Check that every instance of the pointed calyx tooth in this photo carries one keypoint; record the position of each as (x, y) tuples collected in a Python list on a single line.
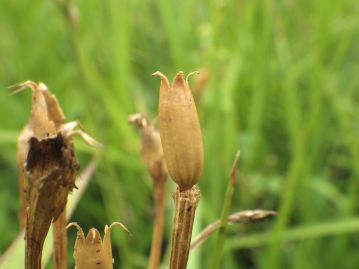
[(180, 131), (92, 252)]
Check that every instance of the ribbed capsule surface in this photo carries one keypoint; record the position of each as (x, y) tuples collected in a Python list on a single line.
[(180, 131)]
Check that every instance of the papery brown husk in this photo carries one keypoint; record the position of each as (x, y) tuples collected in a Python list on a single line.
[(49, 169), (180, 131)]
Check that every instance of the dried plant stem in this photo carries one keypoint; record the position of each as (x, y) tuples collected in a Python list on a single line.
[(34, 243), (157, 233), (186, 203), (22, 145), (60, 242), (22, 202)]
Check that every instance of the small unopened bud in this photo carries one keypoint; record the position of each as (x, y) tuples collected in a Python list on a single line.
[(180, 131)]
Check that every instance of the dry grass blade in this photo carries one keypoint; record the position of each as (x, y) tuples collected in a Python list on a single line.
[(238, 217)]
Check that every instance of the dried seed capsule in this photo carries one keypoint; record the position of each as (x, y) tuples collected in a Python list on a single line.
[(180, 131), (47, 165), (90, 251), (151, 150)]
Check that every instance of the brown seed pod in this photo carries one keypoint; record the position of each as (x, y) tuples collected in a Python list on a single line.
[(49, 166), (152, 156), (180, 131), (151, 148), (91, 252)]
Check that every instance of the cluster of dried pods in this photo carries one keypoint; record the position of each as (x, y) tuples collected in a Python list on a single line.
[(48, 167), (47, 172)]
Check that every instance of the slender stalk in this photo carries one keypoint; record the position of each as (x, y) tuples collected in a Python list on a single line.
[(186, 203), (22, 202), (157, 233), (21, 154), (60, 242), (36, 231)]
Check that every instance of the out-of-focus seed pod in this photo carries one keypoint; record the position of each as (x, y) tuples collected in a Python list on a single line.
[(180, 131), (152, 156), (91, 252), (151, 147)]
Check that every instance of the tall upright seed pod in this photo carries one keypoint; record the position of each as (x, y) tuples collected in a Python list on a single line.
[(183, 150)]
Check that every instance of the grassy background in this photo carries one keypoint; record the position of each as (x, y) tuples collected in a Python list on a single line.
[(284, 89)]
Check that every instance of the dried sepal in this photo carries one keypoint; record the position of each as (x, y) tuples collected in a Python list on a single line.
[(91, 252), (200, 83), (50, 167), (180, 131)]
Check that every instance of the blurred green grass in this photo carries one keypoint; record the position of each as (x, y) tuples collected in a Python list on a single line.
[(284, 89)]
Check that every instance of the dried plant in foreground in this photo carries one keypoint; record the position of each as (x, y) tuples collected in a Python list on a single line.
[(152, 155), (183, 149), (91, 252), (49, 167)]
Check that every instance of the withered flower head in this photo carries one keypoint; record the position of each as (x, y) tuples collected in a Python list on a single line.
[(151, 148), (91, 252), (180, 131), (47, 164)]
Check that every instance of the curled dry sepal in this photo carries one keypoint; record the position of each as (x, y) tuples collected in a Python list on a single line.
[(91, 252), (47, 160)]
